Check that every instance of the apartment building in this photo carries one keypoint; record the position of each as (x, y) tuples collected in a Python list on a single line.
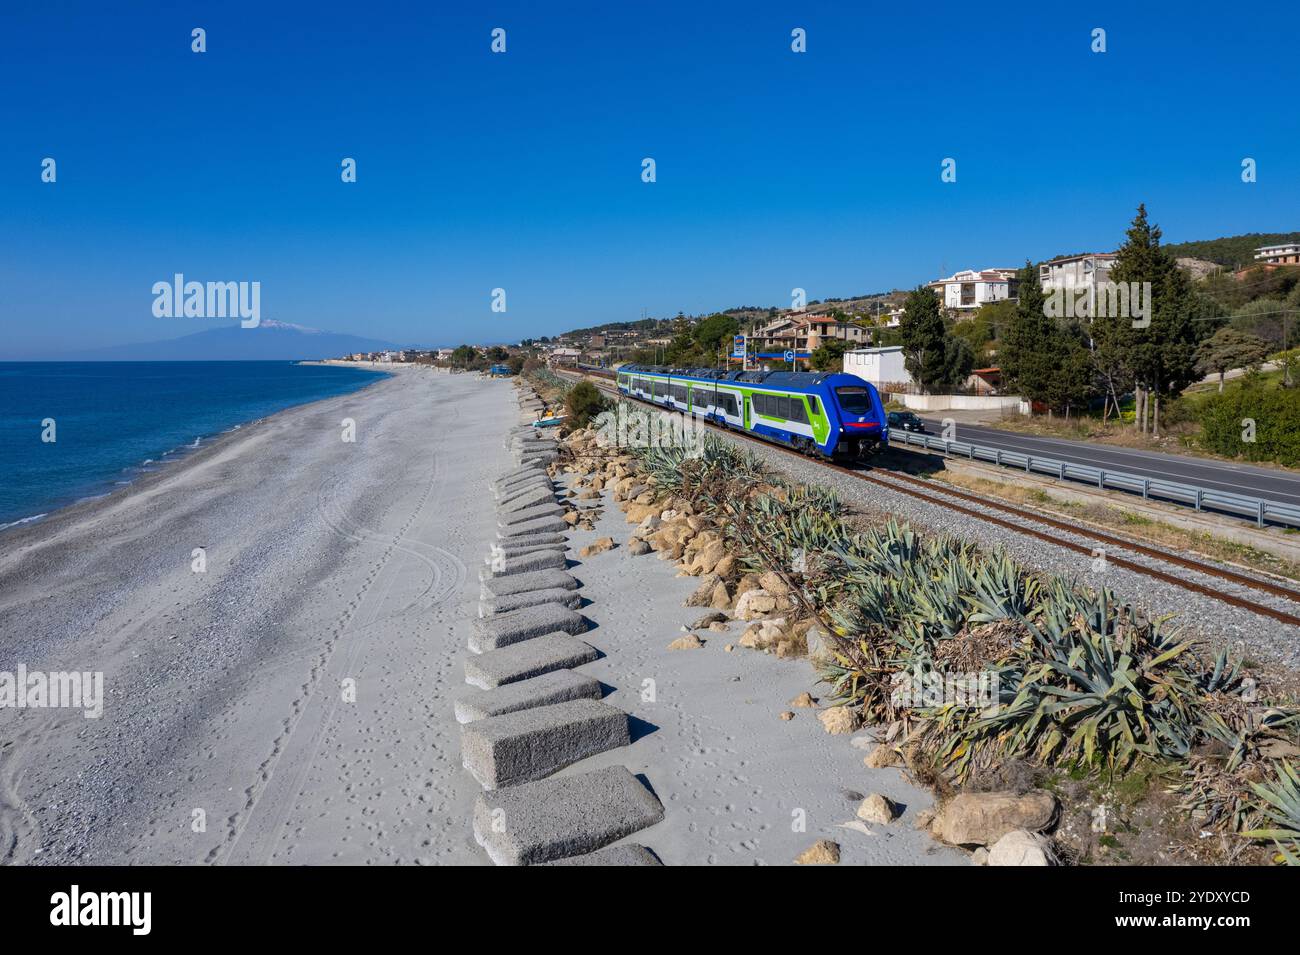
[(1273, 256), (968, 290), (804, 333)]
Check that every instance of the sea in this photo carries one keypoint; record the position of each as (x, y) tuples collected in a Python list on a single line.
[(70, 431)]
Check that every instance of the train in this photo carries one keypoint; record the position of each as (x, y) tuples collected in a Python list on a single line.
[(830, 415)]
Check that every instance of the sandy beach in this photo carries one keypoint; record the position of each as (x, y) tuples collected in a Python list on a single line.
[(292, 703), (226, 736)]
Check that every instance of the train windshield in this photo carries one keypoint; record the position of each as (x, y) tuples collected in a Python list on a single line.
[(854, 400)]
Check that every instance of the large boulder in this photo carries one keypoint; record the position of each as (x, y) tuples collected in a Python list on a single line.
[(981, 819)]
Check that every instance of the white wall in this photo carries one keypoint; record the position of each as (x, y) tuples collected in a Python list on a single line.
[(877, 365), (959, 402)]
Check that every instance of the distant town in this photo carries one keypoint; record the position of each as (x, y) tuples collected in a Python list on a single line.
[(1233, 279)]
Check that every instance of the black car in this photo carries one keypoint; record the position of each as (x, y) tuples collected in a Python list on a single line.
[(907, 421)]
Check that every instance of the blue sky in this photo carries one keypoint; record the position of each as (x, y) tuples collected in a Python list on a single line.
[(522, 170)]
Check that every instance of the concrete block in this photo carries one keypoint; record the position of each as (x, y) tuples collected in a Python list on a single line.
[(523, 486), (535, 457), (557, 686), (525, 564), (531, 540), (561, 817), (521, 583), (523, 661), (532, 598), (531, 744), (506, 518), (542, 525), (502, 629), (500, 549), (626, 853), (534, 495), (517, 474)]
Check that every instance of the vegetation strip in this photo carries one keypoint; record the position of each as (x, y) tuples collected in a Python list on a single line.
[(1202, 568), (1029, 669)]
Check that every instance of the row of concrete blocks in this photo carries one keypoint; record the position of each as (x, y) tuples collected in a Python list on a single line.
[(530, 403), (532, 714), (537, 450)]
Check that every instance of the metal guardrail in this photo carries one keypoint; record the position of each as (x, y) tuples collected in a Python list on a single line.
[(1260, 510)]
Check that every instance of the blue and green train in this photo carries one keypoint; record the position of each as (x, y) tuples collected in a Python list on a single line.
[(830, 414)]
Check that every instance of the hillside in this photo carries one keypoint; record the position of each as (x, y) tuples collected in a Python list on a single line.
[(1234, 251)]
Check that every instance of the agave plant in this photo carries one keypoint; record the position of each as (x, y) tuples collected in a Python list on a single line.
[(1109, 684), (1280, 806), (1002, 590)]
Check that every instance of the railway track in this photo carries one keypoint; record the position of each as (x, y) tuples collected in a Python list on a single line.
[(1048, 529)]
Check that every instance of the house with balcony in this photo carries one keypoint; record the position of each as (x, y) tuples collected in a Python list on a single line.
[(968, 290), (1275, 257), (804, 333), (1072, 273)]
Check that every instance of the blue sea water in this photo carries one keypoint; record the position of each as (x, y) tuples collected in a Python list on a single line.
[(114, 420)]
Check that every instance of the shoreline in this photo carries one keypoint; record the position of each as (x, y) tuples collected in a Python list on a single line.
[(165, 463), (324, 562)]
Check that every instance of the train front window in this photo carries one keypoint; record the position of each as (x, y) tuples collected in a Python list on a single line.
[(854, 401)]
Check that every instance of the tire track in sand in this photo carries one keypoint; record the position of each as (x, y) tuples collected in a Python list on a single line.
[(254, 833)]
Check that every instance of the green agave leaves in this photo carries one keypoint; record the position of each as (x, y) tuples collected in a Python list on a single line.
[(1280, 806)]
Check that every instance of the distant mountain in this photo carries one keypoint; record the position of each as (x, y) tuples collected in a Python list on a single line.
[(270, 341)]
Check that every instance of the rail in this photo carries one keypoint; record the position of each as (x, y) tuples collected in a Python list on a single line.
[(1261, 510)]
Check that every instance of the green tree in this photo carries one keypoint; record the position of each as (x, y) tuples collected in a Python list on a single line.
[(829, 355), (1161, 346), (1030, 352), (1074, 381), (582, 403), (933, 358), (1230, 348), (712, 332), (683, 350), (983, 329)]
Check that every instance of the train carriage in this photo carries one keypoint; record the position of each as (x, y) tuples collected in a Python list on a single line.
[(826, 413)]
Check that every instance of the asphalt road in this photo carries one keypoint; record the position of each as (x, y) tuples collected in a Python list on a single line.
[(1274, 484)]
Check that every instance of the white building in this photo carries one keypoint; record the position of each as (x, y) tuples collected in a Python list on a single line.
[(1287, 254), (880, 366), (1077, 272), (970, 289)]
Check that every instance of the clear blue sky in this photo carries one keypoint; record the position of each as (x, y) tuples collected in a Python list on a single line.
[(522, 170)]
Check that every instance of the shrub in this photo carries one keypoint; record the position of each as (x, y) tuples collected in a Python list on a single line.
[(581, 404), (1276, 415)]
